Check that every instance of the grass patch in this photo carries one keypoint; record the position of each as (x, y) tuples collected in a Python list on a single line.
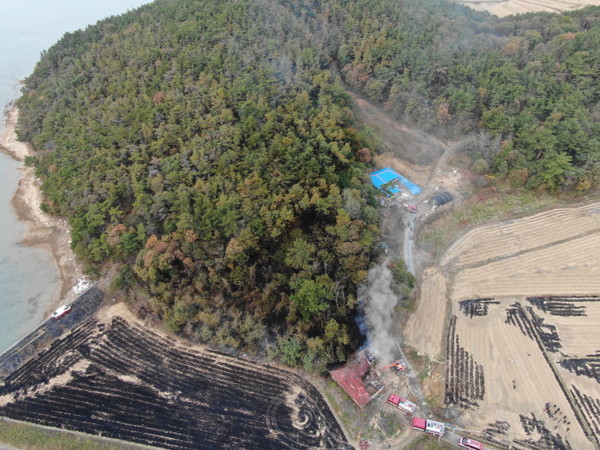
[(373, 423), (25, 436), (428, 442), (485, 207)]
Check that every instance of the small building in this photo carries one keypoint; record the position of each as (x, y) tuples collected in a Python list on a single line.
[(391, 182), (350, 378), (441, 199)]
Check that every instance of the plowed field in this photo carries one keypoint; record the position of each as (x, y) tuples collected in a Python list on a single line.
[(120, 380), (522, 348)]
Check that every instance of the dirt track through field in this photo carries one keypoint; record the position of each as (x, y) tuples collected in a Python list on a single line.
[(120, 380)]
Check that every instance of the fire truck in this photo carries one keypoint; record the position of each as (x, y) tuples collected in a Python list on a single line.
[(470, 443), (428, 426), (401, 403)]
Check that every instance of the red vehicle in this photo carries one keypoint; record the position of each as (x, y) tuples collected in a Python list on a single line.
[(428, 426), (63, 310), (470, 443), (401, 403)]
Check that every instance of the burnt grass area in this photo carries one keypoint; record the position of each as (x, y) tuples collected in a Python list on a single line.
[(545, 438), (590, 407), (497, 431), (563, 306), (515, 315), (476, 306), (465, 383), (588, 366), (83, 307), (125, 382)]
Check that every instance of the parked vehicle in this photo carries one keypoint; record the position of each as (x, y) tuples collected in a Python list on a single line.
[(63, 310), (428, 426), (470, 443), (402, 403)]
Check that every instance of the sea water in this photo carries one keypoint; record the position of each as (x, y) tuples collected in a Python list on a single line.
[(28, 277)]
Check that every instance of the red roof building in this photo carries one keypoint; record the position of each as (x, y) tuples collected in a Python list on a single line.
[(350, 377)]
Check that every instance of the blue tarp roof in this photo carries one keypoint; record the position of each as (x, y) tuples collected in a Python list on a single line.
[(386, 175)]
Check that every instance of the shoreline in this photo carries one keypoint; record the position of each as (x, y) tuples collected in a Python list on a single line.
[(41, 230)]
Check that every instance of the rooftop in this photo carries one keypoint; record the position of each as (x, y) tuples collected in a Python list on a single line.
[(350, 377), (385, 175)]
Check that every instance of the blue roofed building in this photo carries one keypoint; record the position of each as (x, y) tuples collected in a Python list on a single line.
[(383, 177)]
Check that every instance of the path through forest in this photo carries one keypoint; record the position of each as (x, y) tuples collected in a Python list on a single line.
[(419, 156)]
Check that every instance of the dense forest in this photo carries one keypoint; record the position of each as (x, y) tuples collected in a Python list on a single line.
[(207, 153)]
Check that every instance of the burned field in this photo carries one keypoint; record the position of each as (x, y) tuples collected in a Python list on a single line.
[(522, 347), (465, 382), (120, 380)]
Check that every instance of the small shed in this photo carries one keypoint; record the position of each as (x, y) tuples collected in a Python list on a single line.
[(442, 199)]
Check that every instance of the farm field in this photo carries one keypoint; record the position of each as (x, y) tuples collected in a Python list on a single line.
[(503, 8), (427, 316), (522, 346), (113, 377)]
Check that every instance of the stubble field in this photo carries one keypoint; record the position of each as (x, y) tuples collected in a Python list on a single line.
[(522, 348), (502, 8)]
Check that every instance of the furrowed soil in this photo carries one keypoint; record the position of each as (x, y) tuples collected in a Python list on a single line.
[(522, 348), (113, 377)]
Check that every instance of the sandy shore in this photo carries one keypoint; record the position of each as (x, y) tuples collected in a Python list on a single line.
[(42, 230)]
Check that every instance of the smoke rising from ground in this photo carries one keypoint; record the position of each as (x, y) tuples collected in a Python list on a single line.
[(380, 317)]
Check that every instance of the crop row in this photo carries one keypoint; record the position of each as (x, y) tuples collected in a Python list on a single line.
[(465, 383), (493, 241), (563, 306), (590, 407)]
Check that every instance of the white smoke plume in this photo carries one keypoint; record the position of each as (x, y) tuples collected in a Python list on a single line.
[(380, 317)]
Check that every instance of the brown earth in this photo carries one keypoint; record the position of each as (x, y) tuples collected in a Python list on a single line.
[(503, 8), (424, 330)]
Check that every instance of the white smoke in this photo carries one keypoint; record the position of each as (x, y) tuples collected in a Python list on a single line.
[(380, 316)]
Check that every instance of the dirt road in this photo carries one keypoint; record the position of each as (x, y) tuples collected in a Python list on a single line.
[(419, 156)]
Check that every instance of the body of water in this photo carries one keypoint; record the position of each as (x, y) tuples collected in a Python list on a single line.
[(28, 277)]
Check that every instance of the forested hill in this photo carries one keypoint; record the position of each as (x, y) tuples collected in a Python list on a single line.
[(205, 151)]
